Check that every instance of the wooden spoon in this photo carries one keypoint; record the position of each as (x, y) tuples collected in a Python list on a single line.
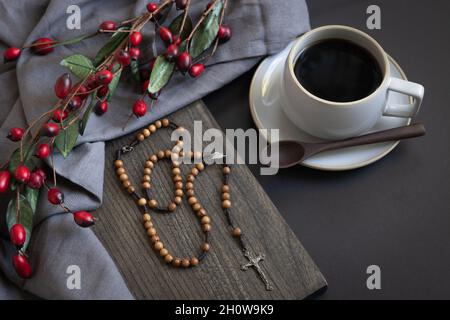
[(292, 152)]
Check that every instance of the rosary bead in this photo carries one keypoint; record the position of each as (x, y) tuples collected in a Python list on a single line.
[(179, 192), (148, 225), (168, 258), (205, 220), (146, 185), (192, 201), (206, 227), (167, 153), (123, 177), (225, 196), (158, 245), (126, 184), (206, 247), (152, 232), (146, 217), (142, 202), (120, 171), (194, 262), (158, 124), (226, 170), (146, 178), (175, 164), (200, 166), (163, 252), (165, 122), (147, 171), (226, 204), (146, 133), (140, 137), (149, 164), (196, 207), (185, 263), (190, 192), (130, 189), (160, 154), (177, 200), (180, 143), (197, 155), (177, 178), (172, 207), (152, 203), (176, 171), (190, 178), (152, 128), (225, 188), (154, 238), (154, 158), (201, 213), (189, 185), (237, 232), (179, 185), (118, 163), (176, 262), (194, 171)]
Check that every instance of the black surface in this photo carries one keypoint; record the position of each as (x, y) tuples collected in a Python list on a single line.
[(396, 212)]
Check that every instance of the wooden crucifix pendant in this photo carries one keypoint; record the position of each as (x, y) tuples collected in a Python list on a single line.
[(254, 263)]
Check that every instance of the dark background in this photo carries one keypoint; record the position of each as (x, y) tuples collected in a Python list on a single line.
[(394, 213)]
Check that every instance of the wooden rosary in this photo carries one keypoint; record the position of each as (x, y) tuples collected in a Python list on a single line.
[(148, 204)]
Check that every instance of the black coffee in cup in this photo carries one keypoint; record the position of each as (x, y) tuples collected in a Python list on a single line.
[(338, 70)]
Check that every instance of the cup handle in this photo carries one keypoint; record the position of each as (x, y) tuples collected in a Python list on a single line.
[(412, 89)]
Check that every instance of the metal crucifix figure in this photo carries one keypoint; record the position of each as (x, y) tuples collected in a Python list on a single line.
[(254, 263)]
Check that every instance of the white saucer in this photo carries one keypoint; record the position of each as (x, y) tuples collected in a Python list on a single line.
[(267, 114)]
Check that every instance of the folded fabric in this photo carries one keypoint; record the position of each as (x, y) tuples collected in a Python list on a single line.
[(260, 28)]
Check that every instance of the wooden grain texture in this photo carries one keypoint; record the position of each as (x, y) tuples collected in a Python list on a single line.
[(288, 266)]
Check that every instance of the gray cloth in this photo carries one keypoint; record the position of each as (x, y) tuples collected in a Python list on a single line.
[(260, 28)]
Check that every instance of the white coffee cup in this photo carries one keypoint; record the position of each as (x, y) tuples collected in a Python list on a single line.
[(338, 120)]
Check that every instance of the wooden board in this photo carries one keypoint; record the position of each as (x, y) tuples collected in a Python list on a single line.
[(288, 266)]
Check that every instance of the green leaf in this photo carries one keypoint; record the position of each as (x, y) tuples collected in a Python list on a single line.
[(26, 217), (79, 65), (87, 113), (115, 81), (28, 158), (32, 196), (175, 26), (205, 35), (161, 73), (66, 139), (113, 43), (134, 67)]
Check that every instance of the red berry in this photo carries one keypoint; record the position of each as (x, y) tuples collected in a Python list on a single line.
[(15, 134), (40, 172), (59, 115), (82, 91), (139, 108), (224, 33), (181, 4), (135, 53), (11, 54), (22, 174), (75, 103), (83, 218), (91, 82), (145, 85), (5, 177), (102, 92), (152, 64), (184, 61), (123, 57), (101, 107), (108, 25), (21, 266), (55, 196), (152, 7), (177, 40), (17, 234), (36, 180), (104, 77), (196, 70), (135, 38), (172, 52), (42, 46), (43, 151), (166, 35), (62, 86), (50, 130)]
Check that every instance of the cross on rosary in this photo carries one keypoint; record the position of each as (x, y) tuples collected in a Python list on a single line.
[(254, 263)]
